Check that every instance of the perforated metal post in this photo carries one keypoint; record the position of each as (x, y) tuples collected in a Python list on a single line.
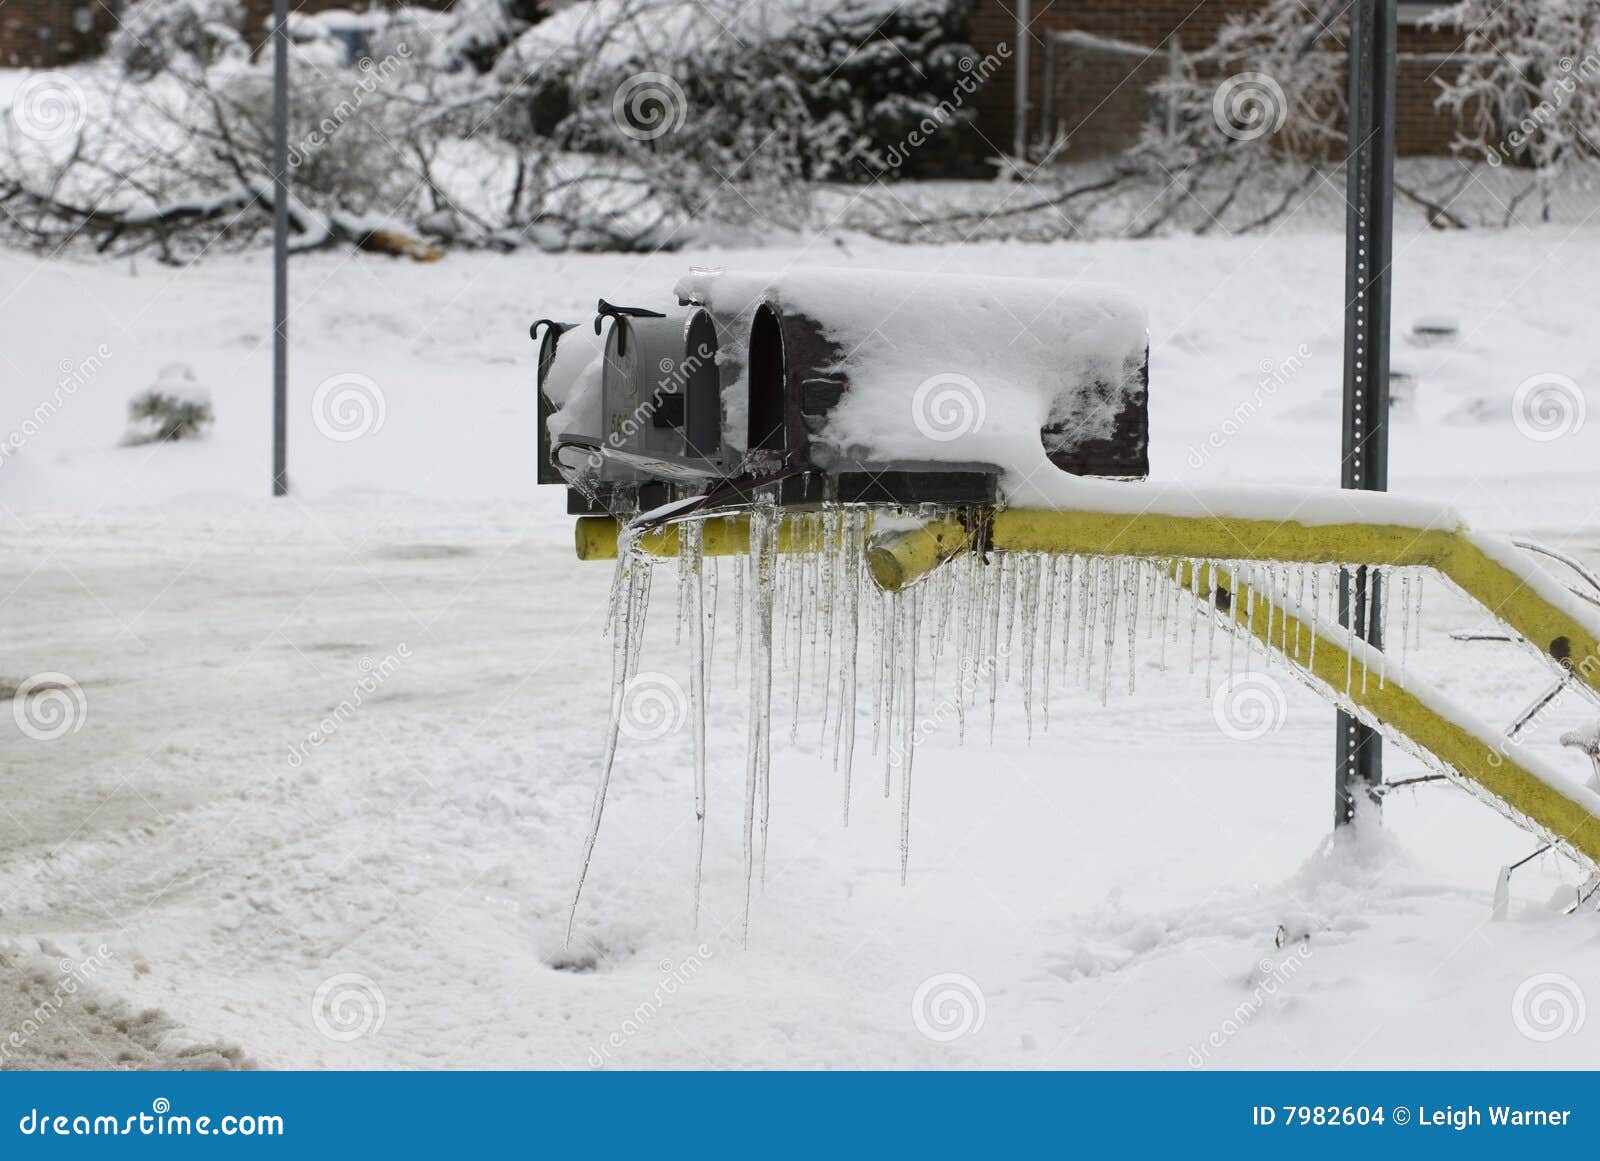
[(1369, 234), (280, 248)]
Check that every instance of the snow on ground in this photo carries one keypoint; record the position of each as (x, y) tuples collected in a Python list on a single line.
[(200, 872)]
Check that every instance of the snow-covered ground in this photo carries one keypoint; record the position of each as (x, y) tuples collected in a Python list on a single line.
[(199, 871)]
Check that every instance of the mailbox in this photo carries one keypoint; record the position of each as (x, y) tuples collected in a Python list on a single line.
[(661, 399), (849, 374), (631, 415), (850, 386)]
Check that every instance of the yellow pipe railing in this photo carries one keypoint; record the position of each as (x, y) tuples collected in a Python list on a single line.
[(1359, 676), (1513, 590)]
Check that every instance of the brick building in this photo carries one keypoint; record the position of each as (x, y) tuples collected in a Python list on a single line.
[(43, 33), (1090, 64)]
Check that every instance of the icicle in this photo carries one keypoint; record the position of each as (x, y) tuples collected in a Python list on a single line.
[(1152, 590), (882, 648), (740, 564), (1164, 571), (1347, 619), (1069, 593), (894, 615), (1008, 599), (1110, 598), (1249, 585), (713, 581), (684, 580), (1316, 617), (1300, 607), (1416, 621), (992, 591), (1049, 603), (1369, 592), (1233, 615), (855, 548), (1272, 608), (909, 736), (1131, 603), (832, 537), (1405, 619), (1096, 568), (1194, 608), (1030, 611), (968, 615), (764, 528), (637, 628), (691, 553), (1211, 619), (816, 554), (626, 609), (1381, 590)]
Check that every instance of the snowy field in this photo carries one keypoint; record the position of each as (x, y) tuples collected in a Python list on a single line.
[(187, 879)]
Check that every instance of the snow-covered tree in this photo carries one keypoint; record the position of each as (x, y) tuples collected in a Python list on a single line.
[(155, 35), (1528, 89)]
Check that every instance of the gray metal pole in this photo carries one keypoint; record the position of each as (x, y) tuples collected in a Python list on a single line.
[(280, 247), (1019, 124), (1369, 243)]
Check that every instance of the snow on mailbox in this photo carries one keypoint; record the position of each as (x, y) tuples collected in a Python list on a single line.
[(850, 370)]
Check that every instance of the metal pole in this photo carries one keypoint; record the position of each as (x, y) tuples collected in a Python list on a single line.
[(1019, 126), (1369, 236), (280, 247)]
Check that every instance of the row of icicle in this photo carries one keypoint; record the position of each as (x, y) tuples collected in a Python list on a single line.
[(1058, 617)]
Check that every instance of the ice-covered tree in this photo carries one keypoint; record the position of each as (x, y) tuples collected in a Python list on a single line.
[(1527, 92)]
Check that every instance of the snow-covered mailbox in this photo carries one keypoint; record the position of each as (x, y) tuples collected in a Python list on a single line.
[(853, 386), (631, 409)]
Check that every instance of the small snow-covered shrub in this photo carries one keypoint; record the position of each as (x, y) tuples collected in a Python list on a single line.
[(155, 35), (175, 408)]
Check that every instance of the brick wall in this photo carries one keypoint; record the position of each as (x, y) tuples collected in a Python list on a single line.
[(44, 33), (1100, 98)]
